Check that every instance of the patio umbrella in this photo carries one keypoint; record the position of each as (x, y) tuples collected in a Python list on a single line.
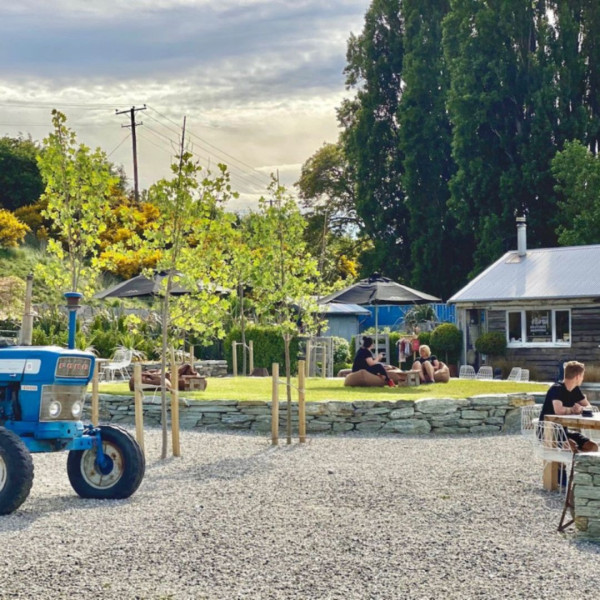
[(377, 290), (140, 286)]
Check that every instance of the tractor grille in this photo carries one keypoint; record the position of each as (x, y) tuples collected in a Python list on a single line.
[(67, 397)]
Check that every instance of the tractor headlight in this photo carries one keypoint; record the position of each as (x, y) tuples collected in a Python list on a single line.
[(62, 402), (54, 409), (76, 409)]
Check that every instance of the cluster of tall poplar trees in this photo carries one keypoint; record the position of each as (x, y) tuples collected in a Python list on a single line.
[(459, 107)]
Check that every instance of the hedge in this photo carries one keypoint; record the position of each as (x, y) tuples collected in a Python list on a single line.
[(268, 348)]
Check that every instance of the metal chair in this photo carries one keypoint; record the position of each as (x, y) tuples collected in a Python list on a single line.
[(466, 372), (515, 374), (485, 373), (119, 364), (550, 443), (524, 375), (529, 419)]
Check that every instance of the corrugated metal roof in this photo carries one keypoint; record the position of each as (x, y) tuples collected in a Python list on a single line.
[(337, 308), (545, 273)]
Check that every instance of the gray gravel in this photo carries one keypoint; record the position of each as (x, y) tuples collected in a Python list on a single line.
[(339, 518)]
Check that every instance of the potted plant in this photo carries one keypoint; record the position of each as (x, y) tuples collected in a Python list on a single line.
[(492, 343)]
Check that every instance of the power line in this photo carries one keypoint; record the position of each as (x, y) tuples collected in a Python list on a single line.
[(119, 145), (223, 152), (153, 143), (245, 177), (37, 104)]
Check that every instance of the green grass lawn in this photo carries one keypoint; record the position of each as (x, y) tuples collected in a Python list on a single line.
[(318, 390)]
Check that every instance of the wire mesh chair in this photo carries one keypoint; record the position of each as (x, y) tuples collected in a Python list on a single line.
[(529, 419), (524, 375), (515, 374), (550, 443), (466, 372), (119, 364), (485, 373)]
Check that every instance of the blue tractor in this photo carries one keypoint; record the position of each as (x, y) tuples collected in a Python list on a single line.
[(42, 395)]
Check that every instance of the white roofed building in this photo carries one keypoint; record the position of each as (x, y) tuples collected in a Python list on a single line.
[(545, 301)]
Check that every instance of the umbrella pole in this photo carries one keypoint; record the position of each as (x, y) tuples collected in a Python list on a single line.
[(376, 329)]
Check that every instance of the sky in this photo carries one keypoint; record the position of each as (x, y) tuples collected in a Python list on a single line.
[(257, 80)]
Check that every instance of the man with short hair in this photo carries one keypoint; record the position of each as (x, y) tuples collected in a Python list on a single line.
[(566, 398)]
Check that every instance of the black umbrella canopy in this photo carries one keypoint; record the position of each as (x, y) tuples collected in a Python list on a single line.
[(378, 290), (139, 286)]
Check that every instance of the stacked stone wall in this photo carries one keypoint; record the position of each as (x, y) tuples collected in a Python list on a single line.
[(489, 413), (586, 495)]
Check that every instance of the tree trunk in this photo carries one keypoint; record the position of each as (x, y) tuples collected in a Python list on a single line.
[(288, 387), (163, 376), (243, 327)]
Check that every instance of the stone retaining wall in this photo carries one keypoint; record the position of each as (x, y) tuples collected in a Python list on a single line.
[(586, 481), (478, 414)]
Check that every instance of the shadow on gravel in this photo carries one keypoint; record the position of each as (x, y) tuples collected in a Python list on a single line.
[(34, 508), (228, 469)]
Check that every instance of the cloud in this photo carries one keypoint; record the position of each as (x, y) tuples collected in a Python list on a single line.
[(257, 78)]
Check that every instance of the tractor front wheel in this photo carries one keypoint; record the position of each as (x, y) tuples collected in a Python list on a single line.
[(16, 471), (119, 477)]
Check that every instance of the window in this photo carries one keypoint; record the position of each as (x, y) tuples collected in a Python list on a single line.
[(544, 327)]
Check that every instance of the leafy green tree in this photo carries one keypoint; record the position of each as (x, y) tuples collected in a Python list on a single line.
[(326, 186), (77, 184), (371, 136), (488, 49), (334, 231), (284, 287), (577, 172), (191, 232), (425, 141), (20, 180)]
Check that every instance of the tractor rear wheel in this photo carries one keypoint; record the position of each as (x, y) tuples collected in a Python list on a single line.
[(16, 471), (122, 474)]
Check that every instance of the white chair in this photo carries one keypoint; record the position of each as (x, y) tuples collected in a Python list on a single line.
[(524, 375), (485, 373), (515, 374), (466, 372), (529, 419), (551, 444), (119, 364)]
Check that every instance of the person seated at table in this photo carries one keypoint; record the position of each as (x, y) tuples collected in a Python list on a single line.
[(426, 364), (566, 398), (364, 360)]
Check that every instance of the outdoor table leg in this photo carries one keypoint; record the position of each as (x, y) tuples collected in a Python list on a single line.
[(550, 476)]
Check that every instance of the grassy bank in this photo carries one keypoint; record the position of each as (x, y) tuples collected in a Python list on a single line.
[(318, 390)]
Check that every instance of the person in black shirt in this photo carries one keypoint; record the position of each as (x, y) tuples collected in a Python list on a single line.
[(426, 364), (364, 360), (566, 398)]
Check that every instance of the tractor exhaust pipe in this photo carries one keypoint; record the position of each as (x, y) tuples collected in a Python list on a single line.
[(73, 299)]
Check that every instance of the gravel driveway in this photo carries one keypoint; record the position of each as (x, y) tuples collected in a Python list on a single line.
[(344, 517)]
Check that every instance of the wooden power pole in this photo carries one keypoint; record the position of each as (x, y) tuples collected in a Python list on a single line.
[(133, 125)]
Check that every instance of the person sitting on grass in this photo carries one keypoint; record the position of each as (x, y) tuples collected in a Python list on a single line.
[(566, 398), (364, 360), (426, 364)]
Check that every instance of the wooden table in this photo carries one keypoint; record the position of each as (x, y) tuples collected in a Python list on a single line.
[(576, 421), (550, 476)]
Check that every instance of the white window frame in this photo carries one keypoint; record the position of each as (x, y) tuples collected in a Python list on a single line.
[(553, 344)]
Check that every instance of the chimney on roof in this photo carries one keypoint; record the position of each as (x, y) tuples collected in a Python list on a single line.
[(521, 236)]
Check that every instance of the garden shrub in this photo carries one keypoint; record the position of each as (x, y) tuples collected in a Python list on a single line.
[(492, 343), (341, 350), (446, 342), (268, 347)]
